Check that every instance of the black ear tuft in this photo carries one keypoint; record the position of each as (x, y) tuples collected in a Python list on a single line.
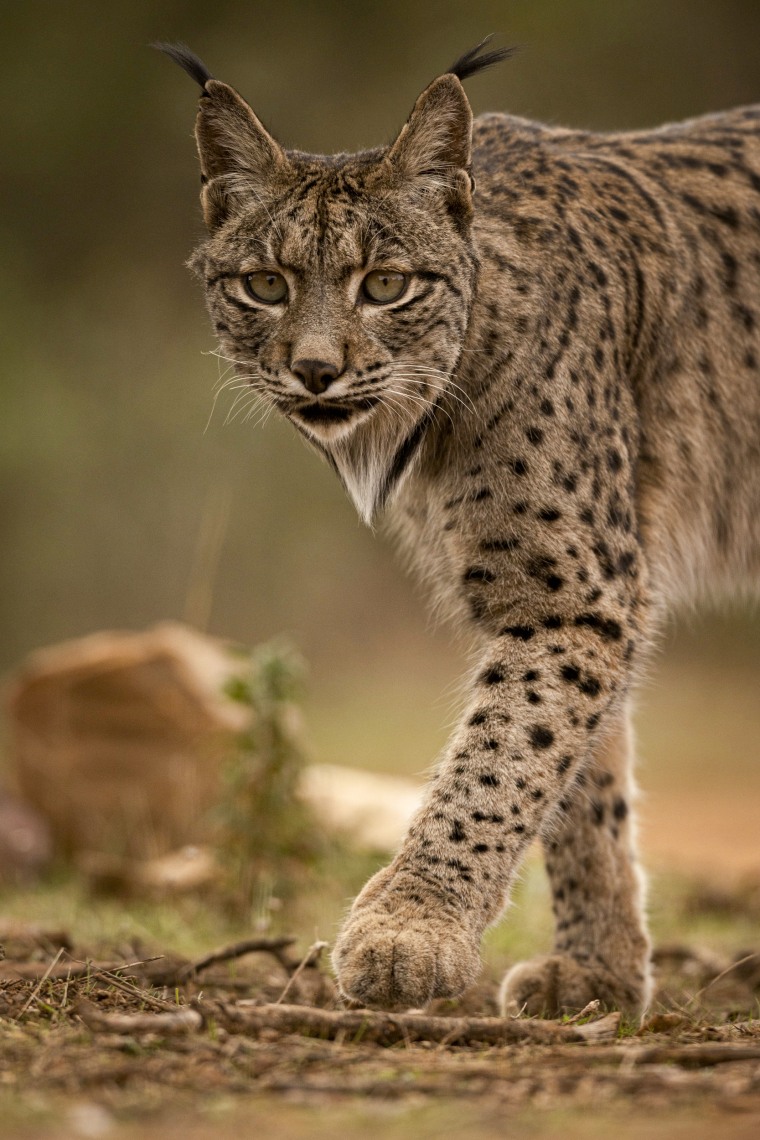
[(473, 61), (187, 60)]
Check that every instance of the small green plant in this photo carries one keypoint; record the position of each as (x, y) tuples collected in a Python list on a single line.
[(269, 839)]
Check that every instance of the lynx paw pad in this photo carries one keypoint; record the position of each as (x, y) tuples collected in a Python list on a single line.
[(386, 962)]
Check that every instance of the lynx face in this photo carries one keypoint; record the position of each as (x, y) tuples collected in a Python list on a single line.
[(341, 286), (342, 292)]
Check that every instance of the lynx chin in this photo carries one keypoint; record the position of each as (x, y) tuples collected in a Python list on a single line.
[(538, 351)]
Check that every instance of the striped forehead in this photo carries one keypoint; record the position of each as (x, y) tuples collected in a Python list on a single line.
[(319, 229)]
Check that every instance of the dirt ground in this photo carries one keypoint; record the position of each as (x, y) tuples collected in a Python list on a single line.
[(206, 1064), (692, 1070), (194, 1064)]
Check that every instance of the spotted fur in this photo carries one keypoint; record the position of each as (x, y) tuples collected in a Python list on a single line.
[(561, 416)]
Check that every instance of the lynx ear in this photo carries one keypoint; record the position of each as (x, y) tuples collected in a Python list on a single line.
[(436, 138), (238, 155)]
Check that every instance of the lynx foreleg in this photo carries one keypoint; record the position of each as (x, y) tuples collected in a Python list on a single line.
[(540, 700)]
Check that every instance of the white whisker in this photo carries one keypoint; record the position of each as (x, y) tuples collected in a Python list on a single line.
[(427, 404)]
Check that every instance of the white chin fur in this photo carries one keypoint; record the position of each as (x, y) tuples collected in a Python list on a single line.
[(327, 433), (364, 460), (363, 453)]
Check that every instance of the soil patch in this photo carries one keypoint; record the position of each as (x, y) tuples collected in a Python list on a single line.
[(104, 1043)]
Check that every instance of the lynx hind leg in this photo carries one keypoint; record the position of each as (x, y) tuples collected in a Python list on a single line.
[(601, 947)]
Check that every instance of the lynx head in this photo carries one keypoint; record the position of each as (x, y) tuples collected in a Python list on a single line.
[(341, 285)]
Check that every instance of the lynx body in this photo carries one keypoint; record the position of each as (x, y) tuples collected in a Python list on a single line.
[(538, 350)]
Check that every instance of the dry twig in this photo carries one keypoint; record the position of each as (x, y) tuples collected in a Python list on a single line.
[(57, 971), (589, 1010), (33, 995), (310, 958), (136, 992), (733, 966), (273, 946)]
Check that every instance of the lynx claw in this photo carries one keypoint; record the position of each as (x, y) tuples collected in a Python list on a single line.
[(556, 984), (389, 961)]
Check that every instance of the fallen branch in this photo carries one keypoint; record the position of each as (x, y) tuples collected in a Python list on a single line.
[(694, 1056), (390, 1029), (182, 1020), (354, 1025)]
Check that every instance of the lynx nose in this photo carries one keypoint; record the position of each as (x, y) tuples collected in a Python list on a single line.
[(316, 375)]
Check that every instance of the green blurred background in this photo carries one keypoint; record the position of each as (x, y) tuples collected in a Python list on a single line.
[(125, 501)]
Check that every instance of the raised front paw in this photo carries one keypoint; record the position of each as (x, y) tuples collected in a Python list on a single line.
[(555, 984), (397, 953)]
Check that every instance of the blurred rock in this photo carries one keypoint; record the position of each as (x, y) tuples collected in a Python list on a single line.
[(26, 845), (373, 810), (117, 739), (188, 870)]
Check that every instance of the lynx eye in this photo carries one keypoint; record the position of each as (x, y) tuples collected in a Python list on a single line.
[(382, 286), (266, 285)]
